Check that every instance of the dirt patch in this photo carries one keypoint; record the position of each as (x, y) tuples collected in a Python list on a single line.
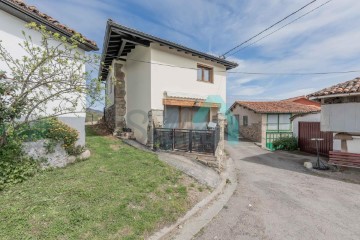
[(195, 190), (126, 231), (101, 129), (115, 147)]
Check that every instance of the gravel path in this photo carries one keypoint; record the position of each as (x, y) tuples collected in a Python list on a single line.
[(277, 198)]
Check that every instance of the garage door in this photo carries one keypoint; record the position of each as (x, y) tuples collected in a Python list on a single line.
[(309, 130)]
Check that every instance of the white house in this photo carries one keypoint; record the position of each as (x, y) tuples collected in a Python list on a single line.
[(155, 83), (14, 15), (340, 114)]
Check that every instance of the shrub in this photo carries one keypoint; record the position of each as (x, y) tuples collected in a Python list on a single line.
[(15, 167), (54, 130), (59, 131), (285, 143)]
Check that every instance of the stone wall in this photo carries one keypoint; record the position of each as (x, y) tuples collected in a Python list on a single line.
[(37, 150), (252, 132), (115, 114), (119, 97), (110, 117), (56, 159), (220, 150), (156, 120)]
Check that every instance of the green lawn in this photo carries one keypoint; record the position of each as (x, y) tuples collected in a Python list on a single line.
[(119, 193)]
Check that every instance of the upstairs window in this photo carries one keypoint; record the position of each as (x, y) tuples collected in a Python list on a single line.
[(204, 73)]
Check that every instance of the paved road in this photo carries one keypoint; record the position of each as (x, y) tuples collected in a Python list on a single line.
[(277, 198)]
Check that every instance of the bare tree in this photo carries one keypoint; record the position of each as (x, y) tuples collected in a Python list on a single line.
[(48, 81)]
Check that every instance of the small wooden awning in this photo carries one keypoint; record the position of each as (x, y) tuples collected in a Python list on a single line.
[(189, 103)]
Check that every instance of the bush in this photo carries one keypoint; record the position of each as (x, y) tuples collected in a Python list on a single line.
[(54, 130), (15, 167), (285, 143)]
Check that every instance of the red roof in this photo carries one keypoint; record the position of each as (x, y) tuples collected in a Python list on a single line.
[(352, 86), (278, 107), (31, 10), (303, 100)]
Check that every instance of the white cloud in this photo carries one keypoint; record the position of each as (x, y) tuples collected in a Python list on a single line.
[(326, 40)]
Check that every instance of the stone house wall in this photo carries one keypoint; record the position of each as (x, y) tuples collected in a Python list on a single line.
[(115, 114), (252, 132), (110, 117)]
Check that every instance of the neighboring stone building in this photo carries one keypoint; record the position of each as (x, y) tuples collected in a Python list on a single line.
[(14, 15), (153, 83), (264, 122), (340, 114)]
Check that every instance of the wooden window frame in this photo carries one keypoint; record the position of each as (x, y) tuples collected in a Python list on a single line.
[(211, 73)]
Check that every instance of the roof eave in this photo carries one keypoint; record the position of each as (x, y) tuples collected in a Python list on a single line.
[(229, 65), (27, 16), (334, 95)]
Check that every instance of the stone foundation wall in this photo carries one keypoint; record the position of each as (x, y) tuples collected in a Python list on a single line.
[(220, 150), (252, 132), (110, 117), (156, 120)]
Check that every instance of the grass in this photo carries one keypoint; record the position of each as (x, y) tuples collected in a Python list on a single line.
[(119, 193)]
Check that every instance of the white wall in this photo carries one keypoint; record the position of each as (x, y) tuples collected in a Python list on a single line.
[(183, 80), (263, 130), (253, 117), (138, 91), (312, 117), (353, 145), (342, 117), (11, 36)]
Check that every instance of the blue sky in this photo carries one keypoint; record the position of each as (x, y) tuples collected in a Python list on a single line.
[(325, 40)]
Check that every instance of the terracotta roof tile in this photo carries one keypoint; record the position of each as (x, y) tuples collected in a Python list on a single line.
[(33, 10), (278, 107), (303, 100), (352, 86)]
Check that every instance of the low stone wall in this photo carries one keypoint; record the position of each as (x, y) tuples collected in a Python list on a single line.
[(110, 117), (57, 158), (252, 132), (37, 150)]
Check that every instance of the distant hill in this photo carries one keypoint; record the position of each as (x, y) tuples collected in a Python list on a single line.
[(93, 113)]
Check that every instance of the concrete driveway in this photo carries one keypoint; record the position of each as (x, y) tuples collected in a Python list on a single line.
[(277, 198)]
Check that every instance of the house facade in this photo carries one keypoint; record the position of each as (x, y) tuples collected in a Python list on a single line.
[(153, 83), (14, 15), (340, 114), (264, 122)]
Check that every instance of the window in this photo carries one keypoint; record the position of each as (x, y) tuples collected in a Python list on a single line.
[(204, 73), (279, 122), (245, 120), (272, 122), (186, 117), (284, 122)]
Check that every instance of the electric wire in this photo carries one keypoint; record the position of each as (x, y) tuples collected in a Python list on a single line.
[(266, 29)]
